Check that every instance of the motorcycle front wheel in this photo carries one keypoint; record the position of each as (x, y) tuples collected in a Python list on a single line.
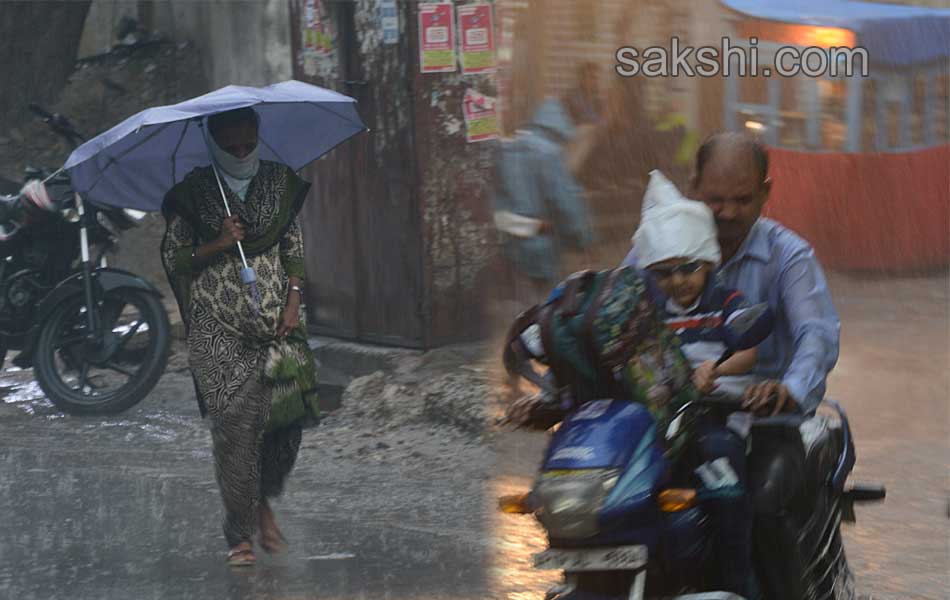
[(111, 371)]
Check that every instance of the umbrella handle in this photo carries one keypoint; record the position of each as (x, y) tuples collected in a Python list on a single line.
[(227, 209)]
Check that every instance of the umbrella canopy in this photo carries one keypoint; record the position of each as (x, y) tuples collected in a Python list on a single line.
[(136, 162)]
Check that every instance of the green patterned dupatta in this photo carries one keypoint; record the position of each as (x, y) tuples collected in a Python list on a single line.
[(292, 372)]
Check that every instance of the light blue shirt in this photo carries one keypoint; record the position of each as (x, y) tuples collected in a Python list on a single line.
[(775, 265)]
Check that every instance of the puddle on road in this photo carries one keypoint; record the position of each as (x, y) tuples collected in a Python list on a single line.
[(336, 556), (148, 423), (516, 539), (26, 396)]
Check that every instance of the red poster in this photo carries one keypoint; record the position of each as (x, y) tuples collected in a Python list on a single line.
[(477, 37), (437, 37), (481, 121)]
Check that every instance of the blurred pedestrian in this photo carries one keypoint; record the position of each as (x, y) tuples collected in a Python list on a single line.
[(539, 205)]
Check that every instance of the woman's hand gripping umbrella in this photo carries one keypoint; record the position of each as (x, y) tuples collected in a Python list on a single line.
[(248, 276)]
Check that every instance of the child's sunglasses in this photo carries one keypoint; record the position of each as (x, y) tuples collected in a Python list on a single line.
[(683, 269)]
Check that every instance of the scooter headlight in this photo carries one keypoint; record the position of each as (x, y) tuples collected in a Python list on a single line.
[(569, 501)]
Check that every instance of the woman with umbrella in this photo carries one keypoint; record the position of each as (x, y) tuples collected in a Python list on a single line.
[(247, 352), (221, 167)]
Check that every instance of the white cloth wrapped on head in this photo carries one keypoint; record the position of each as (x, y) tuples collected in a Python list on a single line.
[(673, 226)]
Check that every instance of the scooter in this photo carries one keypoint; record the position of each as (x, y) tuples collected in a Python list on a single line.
[(621, 523)]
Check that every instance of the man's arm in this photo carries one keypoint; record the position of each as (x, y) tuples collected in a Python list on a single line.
[(815, 329)]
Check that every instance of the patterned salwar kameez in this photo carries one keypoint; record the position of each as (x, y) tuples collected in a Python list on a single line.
[(232, 347)]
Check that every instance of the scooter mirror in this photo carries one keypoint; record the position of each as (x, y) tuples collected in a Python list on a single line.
[(748, 327)]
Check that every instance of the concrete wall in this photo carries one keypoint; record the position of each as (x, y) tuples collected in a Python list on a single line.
[(99, 32), (244, 42)]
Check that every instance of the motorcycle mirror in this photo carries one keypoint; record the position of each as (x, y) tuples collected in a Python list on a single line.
[(749, 327)]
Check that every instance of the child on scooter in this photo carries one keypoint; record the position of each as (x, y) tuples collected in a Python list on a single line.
[(676, 242)]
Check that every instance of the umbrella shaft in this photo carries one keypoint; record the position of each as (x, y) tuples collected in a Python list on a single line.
[(227, 210)]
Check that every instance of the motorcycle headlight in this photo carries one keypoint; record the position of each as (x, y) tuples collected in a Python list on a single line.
[(570, 501)]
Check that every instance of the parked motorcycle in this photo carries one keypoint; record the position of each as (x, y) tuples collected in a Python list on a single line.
[(623, 522), (97, 338)]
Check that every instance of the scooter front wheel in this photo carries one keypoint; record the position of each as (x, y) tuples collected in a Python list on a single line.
[(108, 372)]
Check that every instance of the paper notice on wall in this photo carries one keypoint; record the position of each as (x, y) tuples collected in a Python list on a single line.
[(437, 37), (389, 20), (481, 120), (477, 37), (316, 35)]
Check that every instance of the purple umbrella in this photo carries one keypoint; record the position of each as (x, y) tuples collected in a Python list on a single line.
[(136, 162)]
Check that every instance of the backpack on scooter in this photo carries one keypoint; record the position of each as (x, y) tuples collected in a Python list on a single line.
[(601, 337)]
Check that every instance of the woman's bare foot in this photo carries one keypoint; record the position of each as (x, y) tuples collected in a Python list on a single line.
[(242, 555), (271, 538)]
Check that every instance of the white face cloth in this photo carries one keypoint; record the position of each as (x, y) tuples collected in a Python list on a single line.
[(673, 226), (236, 172)]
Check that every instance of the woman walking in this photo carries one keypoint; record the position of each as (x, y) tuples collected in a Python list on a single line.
[(254, 373)]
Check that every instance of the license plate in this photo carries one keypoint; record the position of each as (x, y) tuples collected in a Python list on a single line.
[(620, 558)]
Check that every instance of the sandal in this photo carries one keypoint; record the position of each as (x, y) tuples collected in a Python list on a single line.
[(241, 556)]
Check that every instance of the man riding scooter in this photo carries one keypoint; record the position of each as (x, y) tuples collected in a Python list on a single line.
[(769, 263)]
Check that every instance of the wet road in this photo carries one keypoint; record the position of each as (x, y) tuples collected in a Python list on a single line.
[(893, 377), (127, 507)]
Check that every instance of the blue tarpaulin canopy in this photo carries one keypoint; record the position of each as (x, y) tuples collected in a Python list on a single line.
[(893, 35)]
